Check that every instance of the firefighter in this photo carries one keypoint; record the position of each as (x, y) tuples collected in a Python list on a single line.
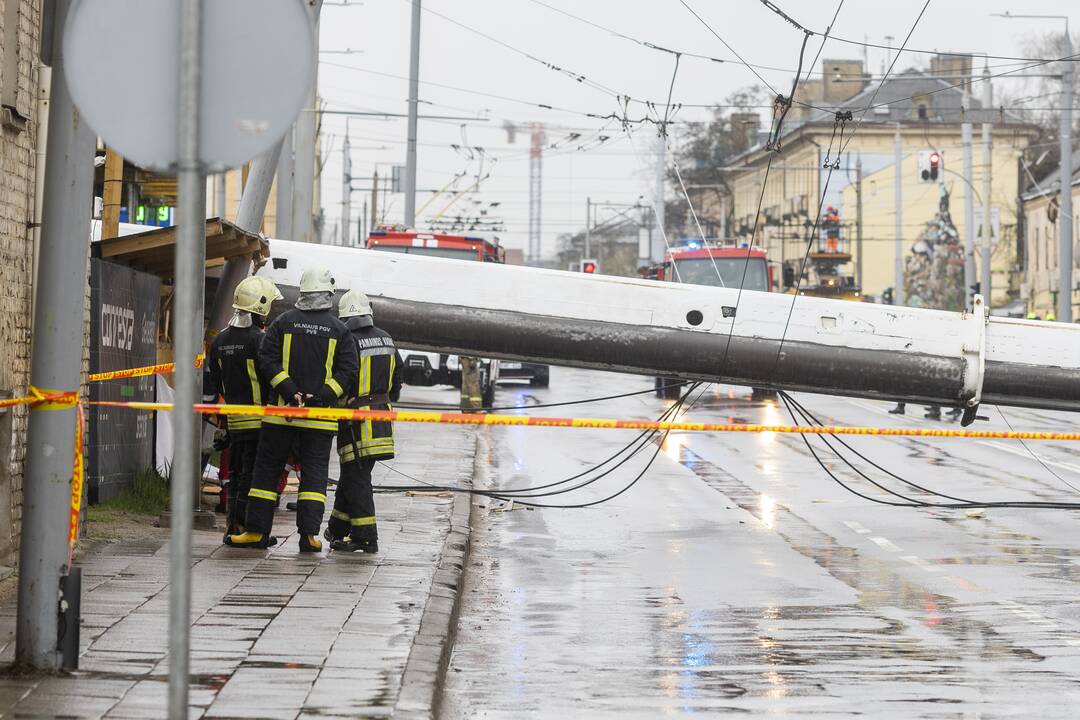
[(364, 442), (231, 364), (308, 359)]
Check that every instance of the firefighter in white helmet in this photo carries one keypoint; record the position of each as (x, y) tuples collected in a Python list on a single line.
[(362, 443), (231, 367), (308, 359)]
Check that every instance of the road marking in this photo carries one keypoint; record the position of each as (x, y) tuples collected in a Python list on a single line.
[(920, 563), (1024, 453), (857, 527), (885, 543)]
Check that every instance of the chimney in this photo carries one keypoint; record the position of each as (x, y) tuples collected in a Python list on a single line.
[(842, 80), (956, 67)]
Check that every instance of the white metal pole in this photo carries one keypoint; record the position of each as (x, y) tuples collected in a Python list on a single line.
[(56, 362), (346, 189), (898, 270), (588, 226), (307, 130), (414, 99), (986, 275), (659, 245), (283, 221), (1065, 217), (190, 270), (966, 132)]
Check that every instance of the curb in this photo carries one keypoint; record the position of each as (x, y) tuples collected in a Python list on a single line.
[(425, 670)]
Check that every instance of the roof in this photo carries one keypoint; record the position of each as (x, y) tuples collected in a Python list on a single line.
[(153, 251), (1052, 182), (896, 100)]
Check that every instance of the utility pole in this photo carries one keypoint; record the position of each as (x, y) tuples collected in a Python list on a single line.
[(536, 179), (898, 273), (858, 223), (307, 132), (659, 243), (346, 188), (283, 221), (1065, 215), (58, 331), (111, 194), (219, 195), (375, 198), (588, 227), (986, 275), (969, 201), (414, 100), (190, 271)]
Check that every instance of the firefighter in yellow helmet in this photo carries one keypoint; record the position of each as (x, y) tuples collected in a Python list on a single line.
[(363, 443), (308, 358), (231, 365)]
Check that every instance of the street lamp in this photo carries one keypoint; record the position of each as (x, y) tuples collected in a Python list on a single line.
[(1065, 170)]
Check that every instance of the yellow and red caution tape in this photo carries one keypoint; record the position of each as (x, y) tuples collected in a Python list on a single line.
[(161, 369), (594, 423), (77, 479)]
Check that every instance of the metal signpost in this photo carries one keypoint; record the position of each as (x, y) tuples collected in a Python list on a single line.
[(207, 122)]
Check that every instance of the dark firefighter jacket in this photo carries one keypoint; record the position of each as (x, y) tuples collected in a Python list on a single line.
[(231, 365), (377, 384), (310, 352)]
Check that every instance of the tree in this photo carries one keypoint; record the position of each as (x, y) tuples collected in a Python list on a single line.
[(702, 150)]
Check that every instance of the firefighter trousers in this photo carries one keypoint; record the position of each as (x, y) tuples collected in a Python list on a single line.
[(243, 446), (354, 502), (312, 450)]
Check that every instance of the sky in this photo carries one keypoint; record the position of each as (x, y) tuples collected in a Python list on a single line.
[(496, 62)]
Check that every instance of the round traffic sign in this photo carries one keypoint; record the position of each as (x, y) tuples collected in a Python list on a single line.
[(121, 58)]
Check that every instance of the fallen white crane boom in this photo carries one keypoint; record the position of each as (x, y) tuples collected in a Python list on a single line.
[(695, 332)]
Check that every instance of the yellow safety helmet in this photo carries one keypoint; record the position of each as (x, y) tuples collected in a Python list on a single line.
[(255, 295), (353, 304)]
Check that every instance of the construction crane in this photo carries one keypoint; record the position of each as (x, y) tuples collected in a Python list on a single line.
[(693, 332)]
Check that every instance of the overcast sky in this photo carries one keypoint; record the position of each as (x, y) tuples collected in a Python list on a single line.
[(465, 74)]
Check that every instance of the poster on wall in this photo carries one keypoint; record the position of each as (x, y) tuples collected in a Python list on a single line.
[(123, 334)]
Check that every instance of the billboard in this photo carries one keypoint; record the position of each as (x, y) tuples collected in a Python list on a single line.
[(123, 334)]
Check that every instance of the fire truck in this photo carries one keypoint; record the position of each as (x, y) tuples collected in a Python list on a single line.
[(428, 368), (701, 262)]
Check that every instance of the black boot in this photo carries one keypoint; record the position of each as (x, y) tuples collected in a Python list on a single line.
[(933, 413), (251, 540), (899, 409), (354, 545), (310, 544)]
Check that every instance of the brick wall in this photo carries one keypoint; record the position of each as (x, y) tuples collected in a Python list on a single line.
[(17, 190)]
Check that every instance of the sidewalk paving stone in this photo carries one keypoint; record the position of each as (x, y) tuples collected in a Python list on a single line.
[(275, 633)]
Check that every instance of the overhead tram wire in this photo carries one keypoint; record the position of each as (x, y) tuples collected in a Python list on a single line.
[(965, 505), (828, 177), (513, 494), (1035, 456)]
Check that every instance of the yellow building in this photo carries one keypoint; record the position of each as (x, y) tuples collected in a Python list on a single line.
[(1042, 280), (928, 112)]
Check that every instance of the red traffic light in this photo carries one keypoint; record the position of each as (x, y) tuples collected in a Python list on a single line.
[(934, 159), (588, 267)]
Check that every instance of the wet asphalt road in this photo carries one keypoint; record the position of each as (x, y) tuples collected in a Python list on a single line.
[(736, 577)]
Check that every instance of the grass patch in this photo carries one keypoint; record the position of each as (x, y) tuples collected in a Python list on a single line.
[(148, 495)]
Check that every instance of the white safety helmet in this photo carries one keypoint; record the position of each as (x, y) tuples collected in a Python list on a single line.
[(352, 304), (255, 295), (317, 279)]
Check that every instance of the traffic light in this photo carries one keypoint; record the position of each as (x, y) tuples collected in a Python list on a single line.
[(931, 165), (590, 265), (887, 296)]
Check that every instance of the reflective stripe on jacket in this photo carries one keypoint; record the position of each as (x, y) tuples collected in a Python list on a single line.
[(379, 374), (231, 364), (313, 350)]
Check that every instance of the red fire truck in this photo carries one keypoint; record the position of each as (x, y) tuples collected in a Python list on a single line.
[(698, 262), (426, 368)]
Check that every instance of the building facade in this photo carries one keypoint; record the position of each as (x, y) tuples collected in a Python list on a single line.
[(20, 23), (1042, 279), (821, 158)]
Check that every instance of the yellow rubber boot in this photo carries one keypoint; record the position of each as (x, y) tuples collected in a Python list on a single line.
[(250, 540), (310, 543)]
